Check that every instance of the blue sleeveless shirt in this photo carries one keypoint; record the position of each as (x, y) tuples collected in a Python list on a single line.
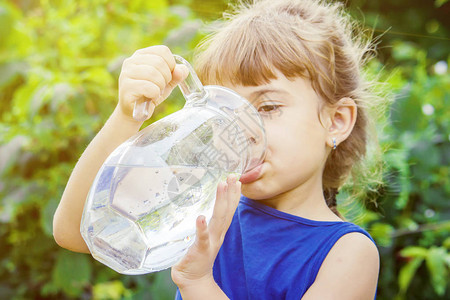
[(269, 254)]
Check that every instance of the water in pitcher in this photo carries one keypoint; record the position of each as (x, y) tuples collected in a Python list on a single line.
[(145, 214)]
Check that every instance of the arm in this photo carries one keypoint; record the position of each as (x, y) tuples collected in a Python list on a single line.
[(67, 218), (350, 271), (150, 74)]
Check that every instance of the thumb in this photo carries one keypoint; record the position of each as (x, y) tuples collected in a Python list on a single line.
[(180, 72)]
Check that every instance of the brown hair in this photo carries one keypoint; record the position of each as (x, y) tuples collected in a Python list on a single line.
[(308, 38)]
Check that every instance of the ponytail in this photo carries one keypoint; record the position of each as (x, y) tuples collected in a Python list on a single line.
[(330, 198)]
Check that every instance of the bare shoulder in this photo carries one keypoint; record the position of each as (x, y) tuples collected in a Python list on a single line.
[(351, 247), (350, 270)]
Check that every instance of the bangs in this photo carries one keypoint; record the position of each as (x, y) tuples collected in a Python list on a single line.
[(249, 52)]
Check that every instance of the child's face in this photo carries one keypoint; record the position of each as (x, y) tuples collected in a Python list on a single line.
[(296, 139)]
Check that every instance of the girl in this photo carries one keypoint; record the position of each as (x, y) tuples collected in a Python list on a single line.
[(299, 65)]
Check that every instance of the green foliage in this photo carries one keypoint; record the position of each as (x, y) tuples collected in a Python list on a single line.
[(410, 222), (59, 65), (435, 258), (71, 274)]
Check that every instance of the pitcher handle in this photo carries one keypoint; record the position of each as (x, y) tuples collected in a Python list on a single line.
[(191, 88)]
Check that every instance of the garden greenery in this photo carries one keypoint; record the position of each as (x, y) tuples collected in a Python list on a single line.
[(59, 66)]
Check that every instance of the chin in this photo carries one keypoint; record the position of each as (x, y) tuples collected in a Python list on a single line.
[(256, 191)]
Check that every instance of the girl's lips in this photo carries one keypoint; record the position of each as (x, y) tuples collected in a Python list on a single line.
[(251, 175)]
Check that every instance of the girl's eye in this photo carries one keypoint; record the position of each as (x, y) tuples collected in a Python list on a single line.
[(269, 108)]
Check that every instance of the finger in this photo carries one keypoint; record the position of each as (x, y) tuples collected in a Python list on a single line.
[(219, 217), (202, 235), (148, 73), (179, 73), (200, 246), (142, 88), (159, 50), (233, 197), (154, 61)]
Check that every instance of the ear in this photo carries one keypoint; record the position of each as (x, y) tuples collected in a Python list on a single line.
[(342, 119)]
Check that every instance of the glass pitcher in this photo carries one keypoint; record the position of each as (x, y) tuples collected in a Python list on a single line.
[(140, 213)]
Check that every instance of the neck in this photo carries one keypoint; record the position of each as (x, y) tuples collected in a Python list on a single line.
[(305, 200)]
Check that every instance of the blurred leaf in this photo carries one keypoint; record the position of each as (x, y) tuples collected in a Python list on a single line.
[(435, 261), (10, 71), (110, 291), (61, 93), (406, 113), (183, 35), (413, 251), (407, 272), (404, 51), (446, 243), (12, 202), (400, 185), (8, 15), (7, 292), (162, 286), (72, 273), (439, 3), (47, 216), (382, 234), (9, 153)]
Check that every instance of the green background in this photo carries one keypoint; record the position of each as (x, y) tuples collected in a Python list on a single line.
[(59, 66)]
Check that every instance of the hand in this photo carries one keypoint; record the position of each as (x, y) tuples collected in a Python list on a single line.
[(150, 74), (195, 268)]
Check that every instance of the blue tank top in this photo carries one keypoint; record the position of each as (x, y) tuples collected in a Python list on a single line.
[(269, 254)]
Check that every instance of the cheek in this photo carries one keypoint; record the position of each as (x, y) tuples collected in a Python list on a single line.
[(299, 140)]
